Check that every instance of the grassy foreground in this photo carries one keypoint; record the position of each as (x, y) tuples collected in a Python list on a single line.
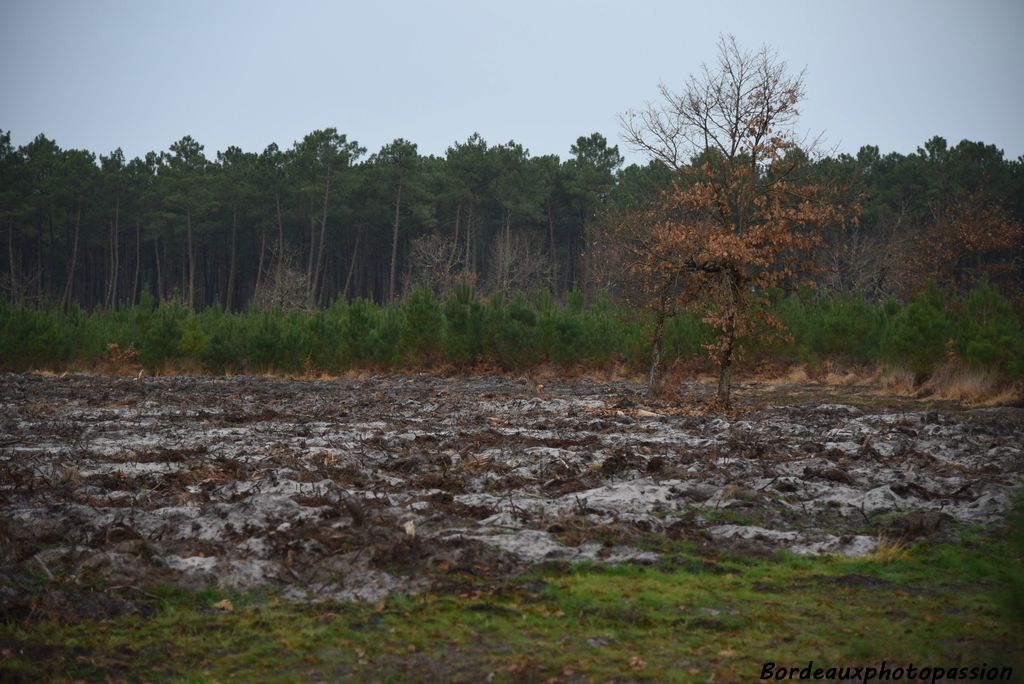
[(699, 615)]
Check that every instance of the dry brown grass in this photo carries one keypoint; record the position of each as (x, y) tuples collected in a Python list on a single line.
[(897, 382), (889, 550), (828, 373), (48, 373), (794, 375), (953, 381), (956, 381), (843, 376), (618, 371)]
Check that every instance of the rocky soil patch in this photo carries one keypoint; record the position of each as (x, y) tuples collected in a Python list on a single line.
[(354, 489)]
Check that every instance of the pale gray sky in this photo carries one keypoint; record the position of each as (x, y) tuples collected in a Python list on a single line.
[(140, 74)]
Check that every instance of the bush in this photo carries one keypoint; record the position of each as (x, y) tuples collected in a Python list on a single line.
[(510, 333), (263, 340), (422, 327), (325, 337), (194, 340), (32, 337), (224, 350), (356, 332), (852, 329), (565, 339), (919, 337), (162, 337), (463, 318), (685, 336), (384, 341), (990, 335)]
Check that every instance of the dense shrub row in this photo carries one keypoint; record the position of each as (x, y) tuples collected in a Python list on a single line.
[(981, 329), (516, 333)]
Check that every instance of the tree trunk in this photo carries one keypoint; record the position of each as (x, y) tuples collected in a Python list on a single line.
[(280, 236), (15, 292), (259, 265), (138, 259), (229, 298), (191, 262), (115, 230), (659, 329), (352, 265), (394, 242), (469, 239), (317, 274), (312, 251), (66, 300), (159, 275), (725, 370), (280, 223), (109, 263), (505, 263), (586, 270), (725, 360), (450, 263), (554, 257), (39, 265)]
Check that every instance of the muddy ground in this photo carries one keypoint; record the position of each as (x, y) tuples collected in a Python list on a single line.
[(354, 489)]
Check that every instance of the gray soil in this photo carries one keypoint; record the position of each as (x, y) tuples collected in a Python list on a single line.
[(355, 489)]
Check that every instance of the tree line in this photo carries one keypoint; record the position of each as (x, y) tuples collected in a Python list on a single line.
[(297, 227), (731, 210), (303, 226)]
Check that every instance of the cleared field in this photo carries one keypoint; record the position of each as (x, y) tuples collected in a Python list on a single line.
[(119, 493)]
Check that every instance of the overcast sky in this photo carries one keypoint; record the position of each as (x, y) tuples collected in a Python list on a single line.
[(137, 74)]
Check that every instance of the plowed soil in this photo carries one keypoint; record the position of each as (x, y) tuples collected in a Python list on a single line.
[(354, 489)]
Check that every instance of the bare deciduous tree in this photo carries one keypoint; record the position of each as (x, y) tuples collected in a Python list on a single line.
[(740, 217), (434, 262), (518, 262), (876, 264), (286, 287)]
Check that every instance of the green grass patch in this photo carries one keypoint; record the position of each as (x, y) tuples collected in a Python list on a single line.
[(682, 620)]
